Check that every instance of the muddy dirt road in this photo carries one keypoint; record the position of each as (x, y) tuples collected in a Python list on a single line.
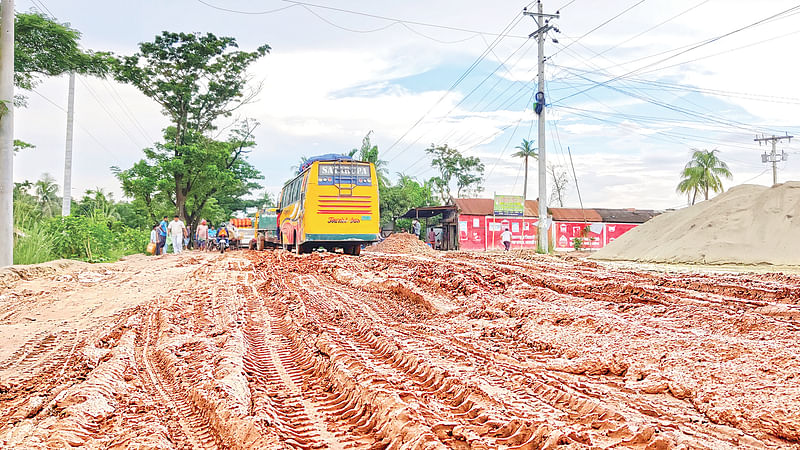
[(270, 350)]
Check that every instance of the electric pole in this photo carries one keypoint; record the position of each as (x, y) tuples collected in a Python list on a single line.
[(7, 133), (66, 205), (773, 157), (542, 21)]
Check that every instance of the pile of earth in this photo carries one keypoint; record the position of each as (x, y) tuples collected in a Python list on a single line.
[(401, 243), (749, 224)]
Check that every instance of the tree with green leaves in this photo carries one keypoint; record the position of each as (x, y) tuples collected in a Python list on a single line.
[(210, 175), (44, 47), (197, 79), (407, 193), (526, 151), (465, 171), (702, 174)]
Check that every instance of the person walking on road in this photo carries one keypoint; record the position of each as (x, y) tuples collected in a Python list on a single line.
[(177, 230), (201, 235), (154, 239), (161, 246), (505, 236)]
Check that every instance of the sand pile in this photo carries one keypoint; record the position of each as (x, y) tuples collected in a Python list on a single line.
[(401, 243), (747, 225)]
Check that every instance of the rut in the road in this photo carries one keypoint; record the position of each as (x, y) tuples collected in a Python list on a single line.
[(460, 350)]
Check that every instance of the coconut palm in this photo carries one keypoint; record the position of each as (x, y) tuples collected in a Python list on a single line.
[(47, 195), (702, 174), (525, 151), (369, 153)]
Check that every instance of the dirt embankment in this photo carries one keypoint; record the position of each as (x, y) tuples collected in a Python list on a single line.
[(749, 224), (460, 350), (401, 243)]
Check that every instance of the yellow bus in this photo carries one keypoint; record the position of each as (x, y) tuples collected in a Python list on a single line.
[(331, 203)]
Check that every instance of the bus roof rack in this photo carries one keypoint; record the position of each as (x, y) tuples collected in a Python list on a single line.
[(326, 157)]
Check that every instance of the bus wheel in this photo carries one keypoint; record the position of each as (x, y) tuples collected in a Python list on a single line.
[(298, 248)]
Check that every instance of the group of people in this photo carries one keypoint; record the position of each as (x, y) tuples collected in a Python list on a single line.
[(174, 233), (433, 239)]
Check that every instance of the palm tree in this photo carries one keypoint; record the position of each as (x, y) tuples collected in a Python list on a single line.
[(702, 174), (47, 193), (369, 153), (525, 151)]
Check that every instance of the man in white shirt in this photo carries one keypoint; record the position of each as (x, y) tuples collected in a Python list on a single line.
[(177, 230), (505, 236), (415, 227)]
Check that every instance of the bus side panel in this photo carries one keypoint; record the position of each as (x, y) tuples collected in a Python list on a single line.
[(330, 216), (292, 217)]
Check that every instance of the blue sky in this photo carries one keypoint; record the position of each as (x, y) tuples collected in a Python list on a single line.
[(325, 87)]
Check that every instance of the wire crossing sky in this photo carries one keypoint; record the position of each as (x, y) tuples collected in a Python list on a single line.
[(633, 88)]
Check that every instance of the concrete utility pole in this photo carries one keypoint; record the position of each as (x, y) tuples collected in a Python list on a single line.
[(774, 157), (542, 21), (66, 205), (7, 133)]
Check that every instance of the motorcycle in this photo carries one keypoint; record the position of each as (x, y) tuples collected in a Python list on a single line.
[(223, 244)]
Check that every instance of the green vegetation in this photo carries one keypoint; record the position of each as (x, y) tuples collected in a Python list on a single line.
[(465, 171), (94, 232), (44, 47), (702, 174), (197, 79)]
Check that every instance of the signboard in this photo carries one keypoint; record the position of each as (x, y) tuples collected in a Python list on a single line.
[(523, 232), (590, 235), (615, 230), (509, 205)]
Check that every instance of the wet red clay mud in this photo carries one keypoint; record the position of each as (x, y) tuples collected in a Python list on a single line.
[(458, 350)]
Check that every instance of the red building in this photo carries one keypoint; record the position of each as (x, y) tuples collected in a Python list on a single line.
[(471, 224)]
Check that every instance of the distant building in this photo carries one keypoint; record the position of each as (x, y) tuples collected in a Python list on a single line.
[(471, 224)]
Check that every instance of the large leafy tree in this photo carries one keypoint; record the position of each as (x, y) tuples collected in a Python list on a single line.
[(197, 79), (465, 171), (213, 174), (407, 193), (526, 151), (44, 47), (702, 174)]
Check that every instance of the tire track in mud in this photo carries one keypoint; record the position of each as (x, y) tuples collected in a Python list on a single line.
[(270, 362), (456, 411), (580, 398), (194, 428)]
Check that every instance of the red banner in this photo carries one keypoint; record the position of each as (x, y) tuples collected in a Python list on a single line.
[(567, 232), (483, 233), (615, 230)]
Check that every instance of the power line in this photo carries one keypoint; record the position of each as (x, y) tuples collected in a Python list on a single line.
[(254, 13), (462, 77), (110, 114), (600, 26), (694, 47), (651, 28), (394, 20), (88, 133)]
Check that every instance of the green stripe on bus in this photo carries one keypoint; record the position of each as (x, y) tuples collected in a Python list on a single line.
[(340, 237)]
